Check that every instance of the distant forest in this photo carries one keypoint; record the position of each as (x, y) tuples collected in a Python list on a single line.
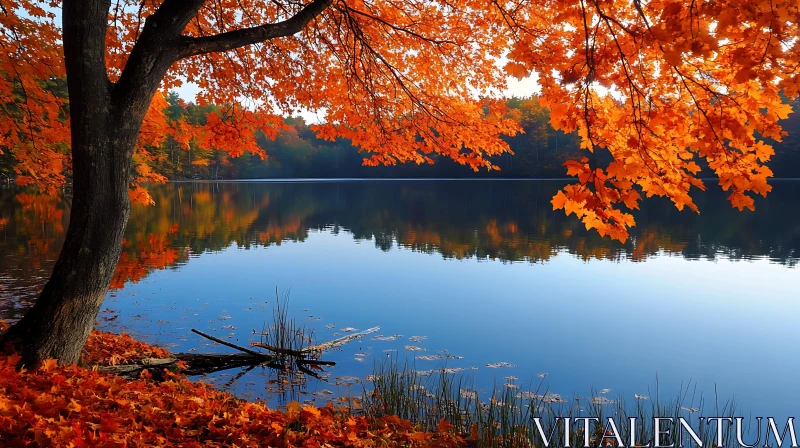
[(296, 152), (539, 152)]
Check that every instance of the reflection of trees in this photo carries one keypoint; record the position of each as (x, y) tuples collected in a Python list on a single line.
[(513, 221), (508, 221), (31, 234)]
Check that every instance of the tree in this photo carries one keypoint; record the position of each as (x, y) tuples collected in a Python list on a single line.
[(655, 85), (352, 60)]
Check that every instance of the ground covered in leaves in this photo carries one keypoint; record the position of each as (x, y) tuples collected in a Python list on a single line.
[(57, 406)]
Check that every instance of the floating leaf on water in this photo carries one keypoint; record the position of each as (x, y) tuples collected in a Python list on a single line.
[(692, 410), (323, 392), (330, 326), (604, 391), (511, 378), (448, 371), (359, 359), (449, 355), (229, 327), (552, 398), (386, 338), (414, 348), (418, 339), (546, 398), (430, 357), (640, 397), (511, 386), (346, 380), (498, 365), (469, 393), (601, 400), (541, 375), (361, 355), (348, 329)]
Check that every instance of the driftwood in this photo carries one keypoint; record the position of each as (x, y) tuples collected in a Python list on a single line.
[(341, 341), (202, 363), (308, 371), (132, 370), (196, 364), (316, 362), (315, 348), (278, 350), (205, 363), (228, 344)]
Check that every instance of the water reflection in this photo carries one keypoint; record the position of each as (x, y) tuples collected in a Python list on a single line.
[(510, 221)]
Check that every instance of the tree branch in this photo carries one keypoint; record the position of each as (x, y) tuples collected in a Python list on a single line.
[(152, 55), (193, 46)]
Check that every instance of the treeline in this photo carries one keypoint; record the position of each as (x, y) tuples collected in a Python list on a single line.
[(296, 152)]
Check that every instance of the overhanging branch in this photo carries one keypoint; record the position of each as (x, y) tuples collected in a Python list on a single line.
[(193, 46)]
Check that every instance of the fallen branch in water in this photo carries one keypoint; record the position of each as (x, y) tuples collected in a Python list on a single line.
[(315, 348), (316, 362), (228, 344), (278, 350), (341, 341), (205, 363), (196, 364), (132, 370)]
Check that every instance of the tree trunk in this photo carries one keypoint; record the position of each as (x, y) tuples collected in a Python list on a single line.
[(105, 123), (59, 323)]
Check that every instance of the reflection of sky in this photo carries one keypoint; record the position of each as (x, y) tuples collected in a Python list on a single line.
[(616, 325)]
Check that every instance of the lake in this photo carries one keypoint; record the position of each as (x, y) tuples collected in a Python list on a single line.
[(483, 270)]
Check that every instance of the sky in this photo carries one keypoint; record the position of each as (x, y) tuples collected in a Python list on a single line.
[(516, 87)]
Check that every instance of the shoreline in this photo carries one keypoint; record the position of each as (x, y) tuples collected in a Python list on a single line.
[(56, 405)]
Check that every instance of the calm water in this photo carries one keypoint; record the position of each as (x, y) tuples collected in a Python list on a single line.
[(483, 269)]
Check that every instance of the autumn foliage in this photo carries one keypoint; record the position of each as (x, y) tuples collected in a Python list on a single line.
[(663, 88), (110, 349), (56, 405)]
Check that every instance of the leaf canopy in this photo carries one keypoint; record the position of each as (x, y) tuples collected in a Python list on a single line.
[(663, 87)]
